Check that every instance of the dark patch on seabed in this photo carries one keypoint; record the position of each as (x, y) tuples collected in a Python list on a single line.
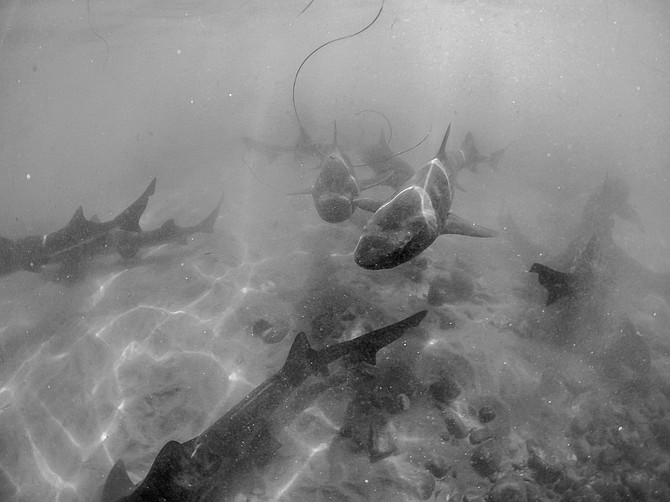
[(131, 332)]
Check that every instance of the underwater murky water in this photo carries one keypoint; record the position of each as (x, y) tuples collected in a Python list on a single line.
[(495, 394)]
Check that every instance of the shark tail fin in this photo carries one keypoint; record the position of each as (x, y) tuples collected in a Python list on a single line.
[(118, 484), (556, 283), (129, 219), (442, 152), (207, 225), (471, 156)]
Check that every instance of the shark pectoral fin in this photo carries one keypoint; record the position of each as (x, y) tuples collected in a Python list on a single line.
[(125, 243), (304, 191), (373, 182), (457, 225), (367, 204), (118, 483)]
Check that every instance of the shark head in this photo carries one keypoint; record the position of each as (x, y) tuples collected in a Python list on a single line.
[(334, 208), (400, 230), (335, 188)]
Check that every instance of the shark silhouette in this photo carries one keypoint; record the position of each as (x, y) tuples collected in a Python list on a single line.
[(78, 240), (200, 468), (82, 239), (336, 192), (383, 160), (410, 221)]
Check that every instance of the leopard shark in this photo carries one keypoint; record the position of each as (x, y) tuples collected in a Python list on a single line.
[(201, 469), (410, 221)]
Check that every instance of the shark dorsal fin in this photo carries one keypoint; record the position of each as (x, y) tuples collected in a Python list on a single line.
[(77, 218), (302, 360), (118, 483)]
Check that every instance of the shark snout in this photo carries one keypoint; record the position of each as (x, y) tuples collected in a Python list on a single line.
[(334, 208), (375, 252)]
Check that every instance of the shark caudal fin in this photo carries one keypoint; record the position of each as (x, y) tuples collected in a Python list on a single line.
[(118, 484), (558, 284), (129, 219), (441, 154), (365, 347), (457, 225), (207, 225)]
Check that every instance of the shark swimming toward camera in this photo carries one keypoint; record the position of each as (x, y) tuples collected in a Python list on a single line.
[(410, 221), (336, 192), (200, 469), (82, 239), (383, 160)]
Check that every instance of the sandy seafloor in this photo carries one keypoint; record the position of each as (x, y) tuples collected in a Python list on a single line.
[(98, 97)]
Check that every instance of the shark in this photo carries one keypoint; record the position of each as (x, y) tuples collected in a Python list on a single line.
[(588, 294), (411, 220), (127, 242), (82, 239), (602, 269), (200, 469), (79, 239), (382, 159), (304, 148), (336, 192), (608, 200)]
